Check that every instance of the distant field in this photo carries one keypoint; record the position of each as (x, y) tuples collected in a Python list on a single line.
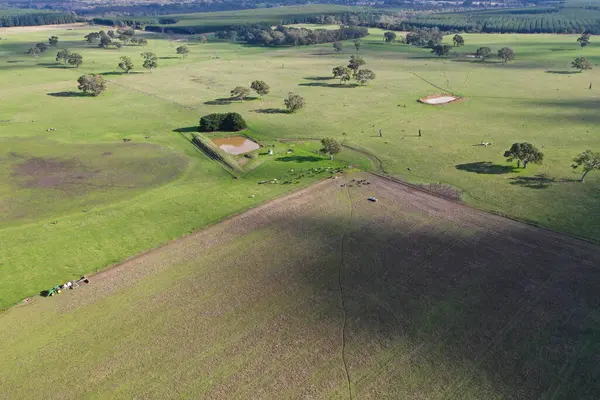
[(324, 294), (69, 208)]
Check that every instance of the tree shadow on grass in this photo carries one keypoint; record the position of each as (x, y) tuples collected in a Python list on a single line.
[(331, 85), (14, 61), (486, 167), (120, 73), (271, 111), (187, 129), (318, 78), (169, 58), (69, 94), (563, 72), (225, 101), (540, 181), (300, 159)]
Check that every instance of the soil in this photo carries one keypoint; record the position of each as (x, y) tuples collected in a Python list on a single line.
[(438, 99), (41, 28), (51, 172)]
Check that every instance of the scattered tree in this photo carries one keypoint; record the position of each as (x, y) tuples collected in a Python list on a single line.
[(75, 59), (506, 54), (344, 74), (357, 45), (183, 50), (338, 46), (330, 146), (125, 64), (441, 50), (525, 153), (260, 87), (355, 63), (294, 102), (42, 47), (53, 40), (63, 56), (389, 37), (93, 84), (34, 52), (202, 39), (240, 92), (105, 40), (458, 40), (589, 161), (483, 52), (150, 61), (364, 76), (92, 37), (581, 63), (584, 40)]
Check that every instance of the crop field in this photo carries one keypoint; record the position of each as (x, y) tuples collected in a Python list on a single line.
[(324, 294), (77, 198)]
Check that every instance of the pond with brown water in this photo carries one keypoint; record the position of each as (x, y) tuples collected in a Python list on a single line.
[(236, 144)]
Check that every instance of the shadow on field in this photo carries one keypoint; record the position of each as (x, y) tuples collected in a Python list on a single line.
[(225, 101), (476, 61), (300, 159), (331, 85), (55, 66), (563, 72), (121, 73), (69, 94), (169, 58), (318, 78), (540, 181), (187, 129), (271, 111), (486, 167)]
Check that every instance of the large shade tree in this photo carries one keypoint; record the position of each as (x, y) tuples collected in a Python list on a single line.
[(588, 161), (524, 153), (93, 84)]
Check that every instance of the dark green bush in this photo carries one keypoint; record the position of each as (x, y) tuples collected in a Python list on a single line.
[(222, 122)]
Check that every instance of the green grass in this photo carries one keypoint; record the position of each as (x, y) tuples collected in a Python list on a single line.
[(169, 188)]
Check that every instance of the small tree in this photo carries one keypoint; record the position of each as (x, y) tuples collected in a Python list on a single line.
[(389, 37), (506, 54), (34, 52), (150, 61), (75, 59), (483, 53), (344, 74), (183, 50), (581, 63), (357, 45), (338, 46), (125, 64), (584, 40), (364, 76), (53, 40), (260, 87), (458, 40), (63, 56), (355, 63), (441, 50), (240, 92), (294, 102), (202, 39), (330, 146), (105, 40), (93, 84), (525, 153), (589, 161), (92, 37), (42, 47)]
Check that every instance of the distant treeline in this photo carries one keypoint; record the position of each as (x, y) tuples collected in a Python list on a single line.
[(281, 36), (12, 17)]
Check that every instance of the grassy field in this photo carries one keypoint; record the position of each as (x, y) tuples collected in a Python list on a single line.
[(69, 207), (320, 295)]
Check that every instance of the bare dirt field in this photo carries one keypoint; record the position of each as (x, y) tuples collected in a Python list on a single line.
[(41, 28), (324, 294)]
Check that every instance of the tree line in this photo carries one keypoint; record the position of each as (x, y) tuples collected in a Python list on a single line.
[(281, 36), (28, 18)]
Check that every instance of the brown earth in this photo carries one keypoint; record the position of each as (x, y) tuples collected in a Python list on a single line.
[(321, 292)]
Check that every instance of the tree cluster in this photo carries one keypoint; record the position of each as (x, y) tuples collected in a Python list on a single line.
[(28, 18), (93, 84), (353, 71), (426, 37), (524, 153), (581, 63), (67, 57), (115, 39), (267, 36), (241, 92), (229, 122)]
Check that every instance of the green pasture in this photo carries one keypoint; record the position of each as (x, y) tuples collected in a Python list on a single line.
[(158, 186)]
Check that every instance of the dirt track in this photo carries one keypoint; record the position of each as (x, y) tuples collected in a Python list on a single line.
[(421, 297)]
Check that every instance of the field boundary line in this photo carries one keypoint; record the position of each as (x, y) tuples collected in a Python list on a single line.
[(431, 83)]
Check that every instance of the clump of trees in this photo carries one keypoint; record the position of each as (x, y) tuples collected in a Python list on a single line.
[(584, 40), (53, 40), (67, 57), (458, 40), (441, 50), (524, 153), (230, 122), (150, 61), (294, 102), (581, 63), (506, 54), (426, 37), (281, 35), (588, 161), (389, 37), (183, 50), (330, 146), (483, 52), (353, 71), (116, 39), (93, 84)]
